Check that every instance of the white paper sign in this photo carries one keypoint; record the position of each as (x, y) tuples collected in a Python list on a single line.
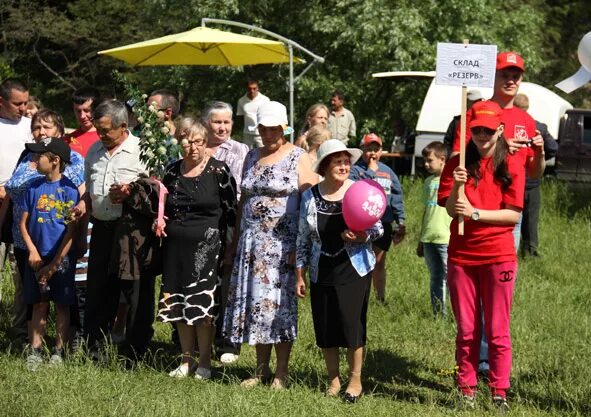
[(468, 65)]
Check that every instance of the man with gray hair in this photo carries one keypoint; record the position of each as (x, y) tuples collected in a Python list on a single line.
[(111, 164), (217, 118)]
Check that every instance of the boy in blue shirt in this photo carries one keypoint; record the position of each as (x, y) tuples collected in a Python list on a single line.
[(47, 231), (435, 227), (370, 167)]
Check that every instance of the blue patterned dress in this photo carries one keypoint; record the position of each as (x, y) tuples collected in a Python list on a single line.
[(262, 305)]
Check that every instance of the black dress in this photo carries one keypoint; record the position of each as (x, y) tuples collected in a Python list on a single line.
[(340, 296), (199, 211)]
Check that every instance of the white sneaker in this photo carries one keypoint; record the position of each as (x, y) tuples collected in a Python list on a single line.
[(203, 374), (229, 358), (56, 359), (182, 371), (34, 360)]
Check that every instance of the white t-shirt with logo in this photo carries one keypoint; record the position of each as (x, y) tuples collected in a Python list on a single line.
[(248, 108), (13, 136)]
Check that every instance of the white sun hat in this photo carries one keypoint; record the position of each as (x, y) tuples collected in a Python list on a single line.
[(335, 146), (272, 113)]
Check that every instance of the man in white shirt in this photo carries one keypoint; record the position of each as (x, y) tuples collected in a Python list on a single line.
[(15, 131), (110, 165), (248, 105)]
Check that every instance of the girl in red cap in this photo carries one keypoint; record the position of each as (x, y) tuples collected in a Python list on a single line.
[(482, 263)]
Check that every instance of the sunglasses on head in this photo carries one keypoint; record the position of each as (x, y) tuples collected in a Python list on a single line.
[(478, 130)]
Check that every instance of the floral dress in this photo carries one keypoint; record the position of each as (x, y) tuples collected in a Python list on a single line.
[(262, 305)]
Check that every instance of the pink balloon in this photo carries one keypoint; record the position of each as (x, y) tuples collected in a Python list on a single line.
[(364, 204)]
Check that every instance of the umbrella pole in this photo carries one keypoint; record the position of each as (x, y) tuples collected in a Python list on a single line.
[(291, 101)]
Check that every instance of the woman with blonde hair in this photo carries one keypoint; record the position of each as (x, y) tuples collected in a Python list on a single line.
[(317, 115), (316, 136)]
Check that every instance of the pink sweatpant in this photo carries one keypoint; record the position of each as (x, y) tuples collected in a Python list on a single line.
[(493, 284)]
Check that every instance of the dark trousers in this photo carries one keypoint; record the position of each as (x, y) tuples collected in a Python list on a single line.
[(21, 312), (104, 291), (139, 295), (529, 225)]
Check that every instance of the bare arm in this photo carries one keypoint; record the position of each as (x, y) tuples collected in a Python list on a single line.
[(300, 282), (537, 164), (459, 205), (83, 207), (35, 261), (459, 179), (48, 270), (306, 177), (300, 141)]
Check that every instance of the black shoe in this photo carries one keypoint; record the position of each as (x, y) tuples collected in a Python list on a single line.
[(350, 398), (501, 405)]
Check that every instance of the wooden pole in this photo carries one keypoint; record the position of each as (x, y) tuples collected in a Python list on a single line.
[(461, 193)]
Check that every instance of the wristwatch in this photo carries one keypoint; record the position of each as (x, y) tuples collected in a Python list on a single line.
[(475, 215)]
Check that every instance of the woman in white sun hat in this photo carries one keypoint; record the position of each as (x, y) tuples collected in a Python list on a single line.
[(339, 268), (262, 305)]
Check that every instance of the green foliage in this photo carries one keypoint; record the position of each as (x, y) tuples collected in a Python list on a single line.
[(53, 45), (157, 148)]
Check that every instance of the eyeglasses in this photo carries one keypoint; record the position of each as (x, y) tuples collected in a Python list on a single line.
[(195, 143), (479, 130)]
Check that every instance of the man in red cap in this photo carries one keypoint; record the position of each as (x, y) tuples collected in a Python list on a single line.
[(370, 167), (520, 127)]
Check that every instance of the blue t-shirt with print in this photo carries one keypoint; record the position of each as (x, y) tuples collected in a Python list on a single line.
[(18, 185), (49, 204)]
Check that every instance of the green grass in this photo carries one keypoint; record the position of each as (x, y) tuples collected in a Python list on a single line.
[(409, 355)]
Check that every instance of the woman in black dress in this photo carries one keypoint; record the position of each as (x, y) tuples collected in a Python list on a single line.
[(201, 207), (339, 268)]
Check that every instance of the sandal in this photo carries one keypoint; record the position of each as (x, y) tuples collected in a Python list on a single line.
[(333, 391), (183, 371), (257, 380), (279, 383)]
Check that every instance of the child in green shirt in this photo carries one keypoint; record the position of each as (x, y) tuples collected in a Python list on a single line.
[(435, 227)]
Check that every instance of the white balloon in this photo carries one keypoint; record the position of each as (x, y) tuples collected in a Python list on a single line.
[(584, 52), (583, 75)]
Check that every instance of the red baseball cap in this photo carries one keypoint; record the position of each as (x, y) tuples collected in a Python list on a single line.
[(370, 138), (486, 114), (510, 59)]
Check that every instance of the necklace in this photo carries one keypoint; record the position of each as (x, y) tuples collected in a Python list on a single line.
[(198, 169)]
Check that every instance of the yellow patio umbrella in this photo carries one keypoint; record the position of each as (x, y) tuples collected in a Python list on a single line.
[(203, 46)]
